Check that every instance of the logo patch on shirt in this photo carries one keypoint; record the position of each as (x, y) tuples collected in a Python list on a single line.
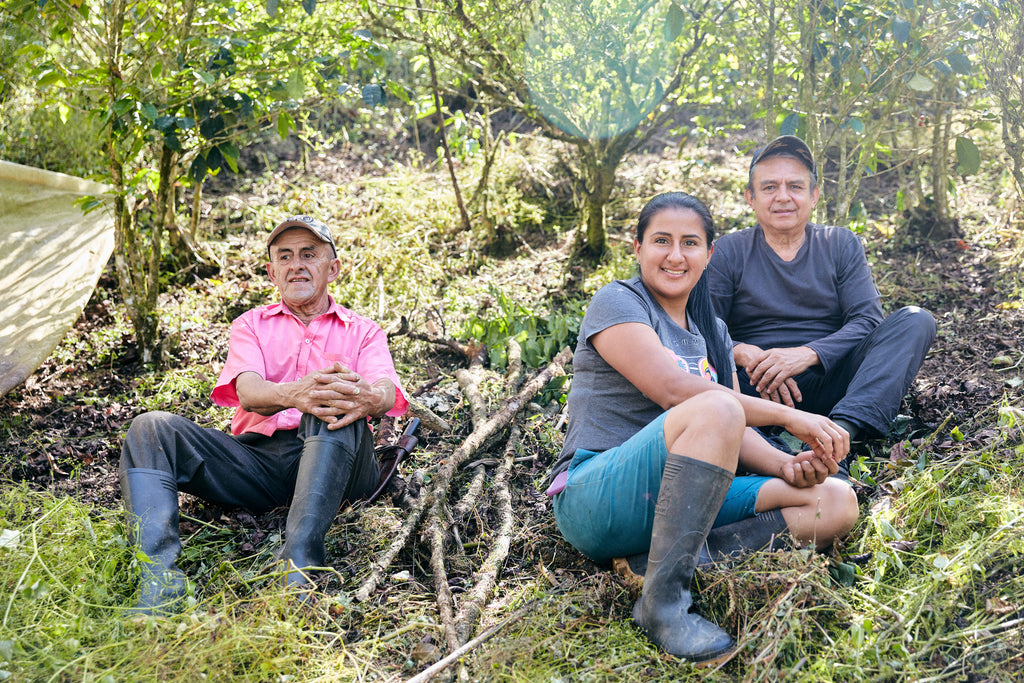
[(695, 365)]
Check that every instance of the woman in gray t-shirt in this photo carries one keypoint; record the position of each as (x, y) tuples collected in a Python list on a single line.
[(656, 434)]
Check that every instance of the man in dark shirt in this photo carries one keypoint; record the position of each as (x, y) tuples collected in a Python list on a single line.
[(802, 308)]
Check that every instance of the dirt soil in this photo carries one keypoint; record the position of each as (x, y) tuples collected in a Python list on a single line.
[(64, 425)]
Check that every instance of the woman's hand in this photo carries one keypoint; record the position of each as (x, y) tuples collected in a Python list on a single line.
[(826, 439), (807, 469)]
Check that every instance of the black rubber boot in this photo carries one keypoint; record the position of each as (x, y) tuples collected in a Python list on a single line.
[(691, 494), (325, 475), (151, 500), (766, 530)]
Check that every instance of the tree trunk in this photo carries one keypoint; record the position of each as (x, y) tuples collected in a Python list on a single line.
[(940, 158), (599, 159), (770, 131), (138, 277)]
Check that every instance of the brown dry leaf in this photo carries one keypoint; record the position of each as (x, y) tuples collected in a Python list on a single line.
[(998, 606), (904, 546), (425, 651)]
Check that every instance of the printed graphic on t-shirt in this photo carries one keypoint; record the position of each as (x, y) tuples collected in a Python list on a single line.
[(695, 365)]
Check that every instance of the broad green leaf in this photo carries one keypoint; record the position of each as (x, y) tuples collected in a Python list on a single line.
[(165, 123), (363, 33), (674, 22), (373, 95), (230, 154), (148, 111), (399, 92), (122, 106), (900, 29), (10, 539), (920, 83), (295, 86), (211, 127), (30, 51), (271, 8), (888, 531), (284, 124), (844, 573), (857, 125), (198, 170), (171, 141), (309, 6), (214, 159), (790, 124), (186, 122), (50, 78), (968, 157), (960, 63)]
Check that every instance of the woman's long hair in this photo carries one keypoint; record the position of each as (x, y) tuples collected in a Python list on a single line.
[(698, 305)]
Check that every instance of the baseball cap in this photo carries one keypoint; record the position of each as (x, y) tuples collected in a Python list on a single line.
[(789, 145), (319, 229)]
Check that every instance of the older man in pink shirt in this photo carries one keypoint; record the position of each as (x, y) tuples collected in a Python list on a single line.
[(305, 375)]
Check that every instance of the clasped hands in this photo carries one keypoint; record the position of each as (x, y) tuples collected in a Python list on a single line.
[(807, 469), (771, 371), (339, 396)]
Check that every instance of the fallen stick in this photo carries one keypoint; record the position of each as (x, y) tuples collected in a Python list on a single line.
[(371, 582), (442, 481), (514, 373), (455, 655), (469, 380), (473, 491), (445, 603), (428, 419), (487, 576)]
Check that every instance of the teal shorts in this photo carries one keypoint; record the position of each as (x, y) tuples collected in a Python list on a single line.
[(607, 507)]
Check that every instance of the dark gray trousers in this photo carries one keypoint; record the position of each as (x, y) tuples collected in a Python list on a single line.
[(867, 386), (250, 470)]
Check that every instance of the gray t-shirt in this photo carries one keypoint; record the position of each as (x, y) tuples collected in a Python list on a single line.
[(824, 298), (605, 409)]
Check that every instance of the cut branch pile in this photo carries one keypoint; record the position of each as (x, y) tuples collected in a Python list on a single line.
[(439, 520)]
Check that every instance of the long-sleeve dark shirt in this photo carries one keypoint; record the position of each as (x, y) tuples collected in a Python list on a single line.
[(824, 298)]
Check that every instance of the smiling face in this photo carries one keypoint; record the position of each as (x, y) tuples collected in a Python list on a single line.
[(673, 255), (301, 267), (782, 196)]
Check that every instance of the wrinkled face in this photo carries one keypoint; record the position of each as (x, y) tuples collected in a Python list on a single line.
[(782, 198), (301, 267), (673, 255)]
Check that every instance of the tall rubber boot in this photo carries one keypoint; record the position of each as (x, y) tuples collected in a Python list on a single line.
[(151, 500), (765, 530), (691, 494), (320, 485)]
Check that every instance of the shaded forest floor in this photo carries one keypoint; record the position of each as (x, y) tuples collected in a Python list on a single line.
[(63, 427)]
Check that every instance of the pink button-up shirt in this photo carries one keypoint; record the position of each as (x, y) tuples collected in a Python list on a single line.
[(274, 344)]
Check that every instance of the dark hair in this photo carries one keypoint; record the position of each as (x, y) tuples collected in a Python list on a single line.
[(698, 305)]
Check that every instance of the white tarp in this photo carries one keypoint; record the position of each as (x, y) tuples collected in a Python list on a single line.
[(51, 256)]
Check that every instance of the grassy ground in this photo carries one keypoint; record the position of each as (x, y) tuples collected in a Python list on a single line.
[(927, 587)]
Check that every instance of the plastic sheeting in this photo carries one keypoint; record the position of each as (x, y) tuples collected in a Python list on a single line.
[(51, 256)]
